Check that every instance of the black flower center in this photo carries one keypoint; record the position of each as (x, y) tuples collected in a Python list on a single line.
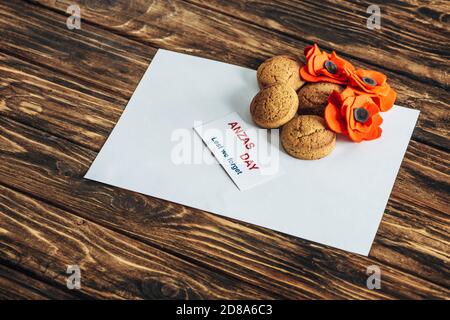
[(331, 67), (369, 81), (361, 115)]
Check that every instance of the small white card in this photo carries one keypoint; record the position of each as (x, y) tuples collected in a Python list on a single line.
[(250, 156)]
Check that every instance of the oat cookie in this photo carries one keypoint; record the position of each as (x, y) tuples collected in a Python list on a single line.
[(274, 106), (307, 137), (280, 69), (313, 97)]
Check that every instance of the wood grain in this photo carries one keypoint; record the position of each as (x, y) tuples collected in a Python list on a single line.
[(413, 39), (112, 266), (180, 26), (65, 84), (18, 285), (54, 102), (107, 65), (282, 264)]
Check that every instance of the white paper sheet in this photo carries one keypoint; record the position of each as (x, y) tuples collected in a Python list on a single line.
[(337, 201)]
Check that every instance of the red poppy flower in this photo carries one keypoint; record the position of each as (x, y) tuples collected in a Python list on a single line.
[(374, 84), (321, 66), (356, 116)]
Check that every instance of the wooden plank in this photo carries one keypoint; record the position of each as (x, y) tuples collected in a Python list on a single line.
[(413, 39), (108, 65), (79, 107), (16, 285), (186, 28), (393, 255), (44, 240), (52, 169), (55, 103)]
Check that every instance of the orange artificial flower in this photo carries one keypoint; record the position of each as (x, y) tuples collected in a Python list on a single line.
[(374, 84), (356, 116), (321, 66)]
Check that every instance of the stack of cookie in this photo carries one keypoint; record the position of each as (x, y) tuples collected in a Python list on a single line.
[(286, 101)]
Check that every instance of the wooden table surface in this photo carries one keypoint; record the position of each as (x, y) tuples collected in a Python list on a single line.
[(62, 91)]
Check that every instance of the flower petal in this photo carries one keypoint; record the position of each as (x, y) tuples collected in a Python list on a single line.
[(374, 134), (333, 118), (355, 136), (314, 71), (388, 101)]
